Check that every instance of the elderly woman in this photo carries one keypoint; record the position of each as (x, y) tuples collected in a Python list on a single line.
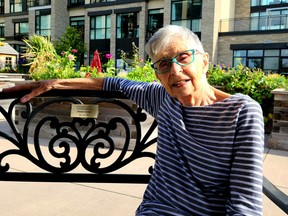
[(210, 143)]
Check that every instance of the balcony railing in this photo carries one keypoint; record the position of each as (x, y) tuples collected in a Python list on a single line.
[(266, 23)]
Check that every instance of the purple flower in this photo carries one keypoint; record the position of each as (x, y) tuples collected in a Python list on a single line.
[(108, 56)]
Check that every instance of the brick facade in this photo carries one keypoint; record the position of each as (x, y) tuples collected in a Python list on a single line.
[(213, 11), (59, 19)]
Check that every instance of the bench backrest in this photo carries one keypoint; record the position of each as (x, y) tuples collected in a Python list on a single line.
[(100, 146)]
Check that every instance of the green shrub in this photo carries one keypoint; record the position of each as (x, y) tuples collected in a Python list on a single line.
[(252, 82), (45, 63)]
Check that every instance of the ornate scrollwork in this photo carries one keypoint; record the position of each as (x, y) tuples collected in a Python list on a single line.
[(76, 142)]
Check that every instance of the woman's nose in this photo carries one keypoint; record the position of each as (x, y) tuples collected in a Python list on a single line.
[(175, 68)]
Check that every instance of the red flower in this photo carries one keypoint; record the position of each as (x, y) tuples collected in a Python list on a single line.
[(88, 75), (74, 50)]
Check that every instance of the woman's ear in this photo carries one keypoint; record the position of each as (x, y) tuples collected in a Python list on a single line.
[(205, 62)]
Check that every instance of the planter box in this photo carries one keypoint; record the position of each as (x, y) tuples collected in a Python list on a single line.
[(279, 135)]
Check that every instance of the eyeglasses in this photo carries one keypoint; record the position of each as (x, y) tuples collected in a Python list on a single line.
[(183, 59)]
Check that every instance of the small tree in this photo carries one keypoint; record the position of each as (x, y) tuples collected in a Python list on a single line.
[(72, 39)]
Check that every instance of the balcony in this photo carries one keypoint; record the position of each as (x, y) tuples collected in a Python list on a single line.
[(263, 23)]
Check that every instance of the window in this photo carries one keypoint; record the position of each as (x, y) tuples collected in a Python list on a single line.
[(284, 61), (275, 60), (8, 62), (19, 48), (267, 2), (20, 30), (76, 2), (271, 60), (79, 23), (18, 6), (100, 27), (1, 6), (254, 58), (187, 13), (35, 3), (128, 25), (2, 25), (269, 18), (97, 1), (43, 22), (155, 21)]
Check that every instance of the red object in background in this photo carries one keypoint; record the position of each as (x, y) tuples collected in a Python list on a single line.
[(96, 63)]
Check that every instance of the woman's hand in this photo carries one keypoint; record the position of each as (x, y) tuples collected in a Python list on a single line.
[(36, 88), (43, 86)]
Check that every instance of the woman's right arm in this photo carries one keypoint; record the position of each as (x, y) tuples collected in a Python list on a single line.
[(40, 87)]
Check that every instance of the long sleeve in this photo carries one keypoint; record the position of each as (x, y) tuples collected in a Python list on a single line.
[(148, 96), (246, 170)]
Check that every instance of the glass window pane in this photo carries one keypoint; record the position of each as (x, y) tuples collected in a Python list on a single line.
[(23, 27), (176, 22), (239, 52), (93, 22), (100, 33), (118, 22), (196, 25), (108, 34), (92, 35), (118, 32), (284, 63), (254, 23), (238, 61), (76, 18), (108, 22), (100, 21), (284, 52), (253, 53), (255, 2), (271, 63), (155, 11), (45, 22), (271, 52), (254, 63)]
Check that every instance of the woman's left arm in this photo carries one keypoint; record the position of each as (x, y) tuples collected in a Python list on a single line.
[(247, 165)]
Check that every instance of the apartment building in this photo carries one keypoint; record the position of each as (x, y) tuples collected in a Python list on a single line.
[(251, 32)]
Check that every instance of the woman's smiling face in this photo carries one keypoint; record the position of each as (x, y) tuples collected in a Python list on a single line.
[(183, 81)]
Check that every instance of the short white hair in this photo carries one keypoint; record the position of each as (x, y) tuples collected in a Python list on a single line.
[(165, 36)]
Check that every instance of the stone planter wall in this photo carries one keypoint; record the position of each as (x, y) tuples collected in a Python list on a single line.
[(279, 135)]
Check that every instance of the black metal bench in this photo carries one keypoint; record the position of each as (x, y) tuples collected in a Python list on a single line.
[(67, 136)]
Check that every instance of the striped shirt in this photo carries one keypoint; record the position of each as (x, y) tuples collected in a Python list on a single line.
[(208, 159)]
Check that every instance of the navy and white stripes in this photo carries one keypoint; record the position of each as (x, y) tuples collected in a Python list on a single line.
[(209, 159)]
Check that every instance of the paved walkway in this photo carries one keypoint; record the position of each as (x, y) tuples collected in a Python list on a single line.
[(87, 199)]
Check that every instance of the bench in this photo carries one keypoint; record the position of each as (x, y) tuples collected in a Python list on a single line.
[(98, 136)]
